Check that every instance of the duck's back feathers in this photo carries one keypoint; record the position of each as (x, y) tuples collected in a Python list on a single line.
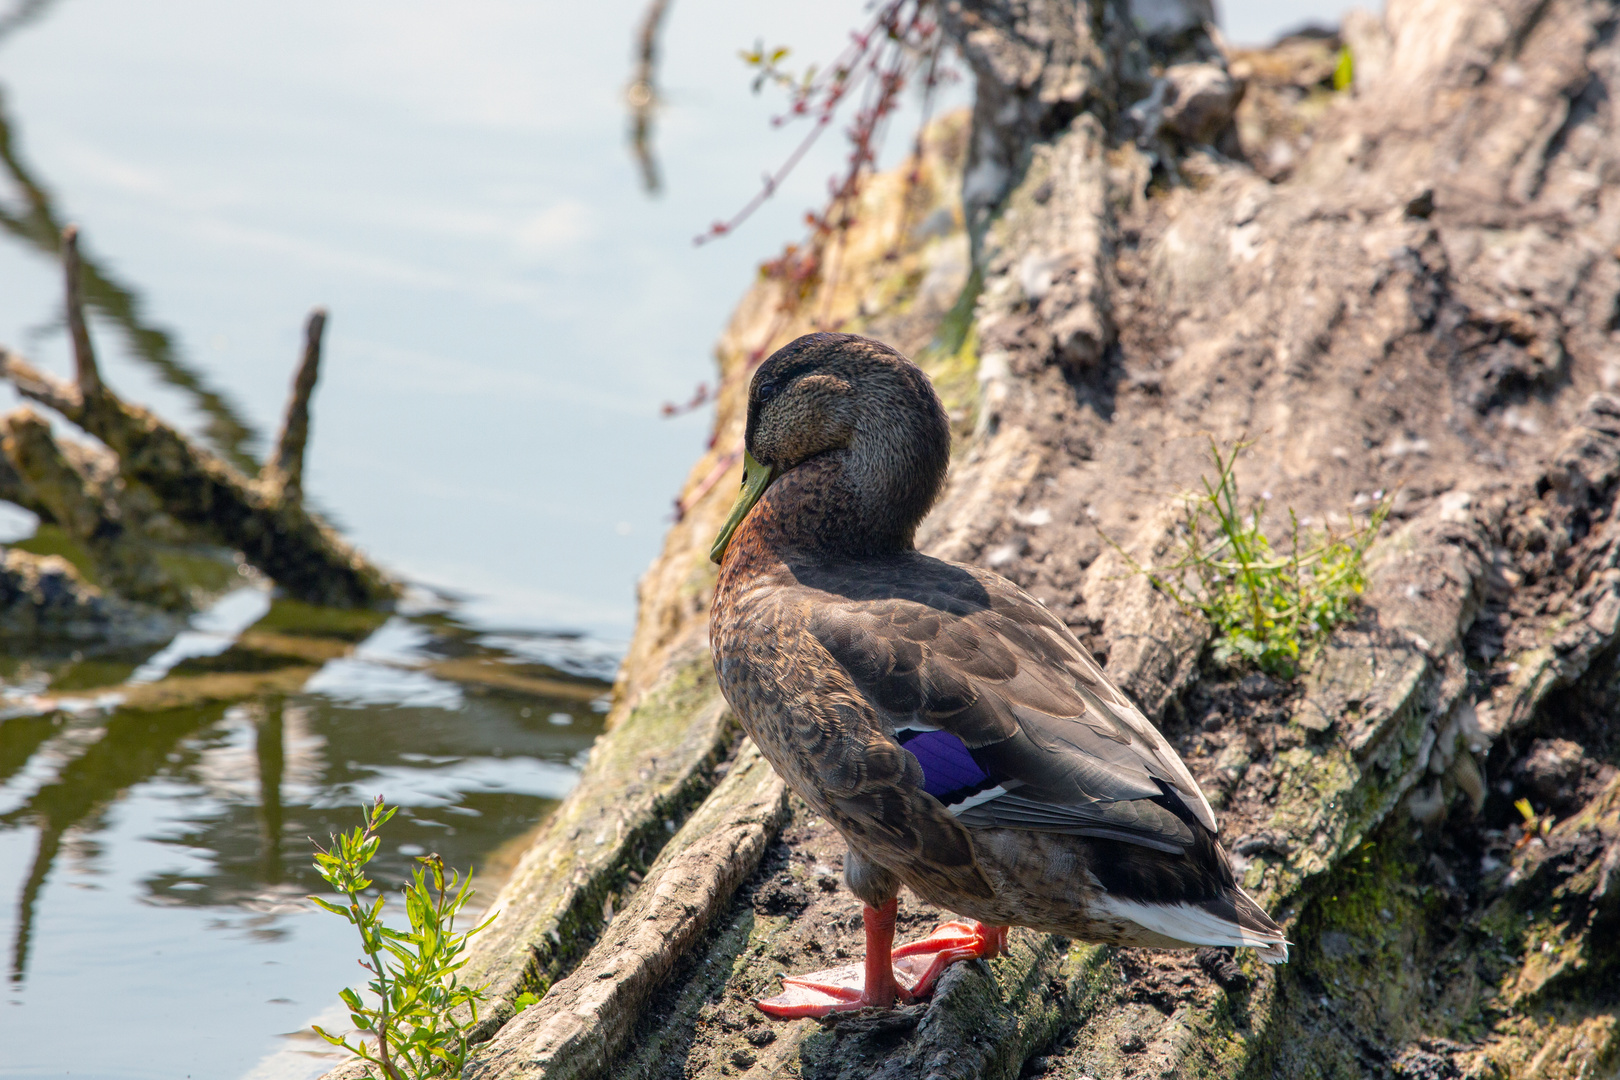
[(1014, 723), (1015, 727)]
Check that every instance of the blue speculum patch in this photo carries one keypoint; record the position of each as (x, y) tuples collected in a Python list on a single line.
[(947, 764)]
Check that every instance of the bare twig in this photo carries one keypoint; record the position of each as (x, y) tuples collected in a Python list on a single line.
[(642, 94), (283, 474), (879, 62), (84, 357)]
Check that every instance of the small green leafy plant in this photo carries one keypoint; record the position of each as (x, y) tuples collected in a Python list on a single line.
[(1266, 609), (417, 1028)]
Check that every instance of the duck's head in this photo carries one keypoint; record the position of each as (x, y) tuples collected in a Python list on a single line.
[(862, 407)]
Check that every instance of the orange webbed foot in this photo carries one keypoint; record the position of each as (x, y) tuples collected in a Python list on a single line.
[(926, 960), (821, 993), (889, 975)]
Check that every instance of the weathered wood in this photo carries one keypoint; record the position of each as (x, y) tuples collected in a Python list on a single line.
[(43, 597), (644, 778), (124, 562), (585, 1019)]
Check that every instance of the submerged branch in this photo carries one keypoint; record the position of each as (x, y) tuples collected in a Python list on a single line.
[(265, 520), (87, 512)]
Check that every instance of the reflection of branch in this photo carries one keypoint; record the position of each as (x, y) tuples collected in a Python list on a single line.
[(269, 747), (642, 94), (24, 13), (132, 749), (38, 224)]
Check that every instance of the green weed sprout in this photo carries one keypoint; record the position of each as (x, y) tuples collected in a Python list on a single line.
[(418, 1027), (1266, 609)]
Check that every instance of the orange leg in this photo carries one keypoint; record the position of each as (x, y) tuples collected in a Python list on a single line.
[(882, 981)]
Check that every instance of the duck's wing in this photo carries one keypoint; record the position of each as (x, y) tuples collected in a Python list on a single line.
[(1013, 722)]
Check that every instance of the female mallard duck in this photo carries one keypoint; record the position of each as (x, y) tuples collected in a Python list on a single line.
[(950, 727)]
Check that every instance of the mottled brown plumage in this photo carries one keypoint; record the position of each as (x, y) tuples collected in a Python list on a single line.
[(952, 729)]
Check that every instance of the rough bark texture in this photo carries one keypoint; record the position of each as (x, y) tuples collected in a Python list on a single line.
[(1412, 283), (84, 500)]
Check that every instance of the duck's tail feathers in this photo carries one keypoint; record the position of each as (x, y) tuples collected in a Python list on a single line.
[(1235, 920)]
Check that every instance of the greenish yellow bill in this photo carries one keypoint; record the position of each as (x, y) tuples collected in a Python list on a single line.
[(756, 478)]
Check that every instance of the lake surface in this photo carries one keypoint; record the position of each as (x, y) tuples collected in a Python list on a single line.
[(509, 311)]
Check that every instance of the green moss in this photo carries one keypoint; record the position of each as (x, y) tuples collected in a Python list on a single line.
[(309, 620), (209, 572), (952, 360), (51, 539)]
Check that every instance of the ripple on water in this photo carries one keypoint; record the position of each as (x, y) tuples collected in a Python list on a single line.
[(164, 856)]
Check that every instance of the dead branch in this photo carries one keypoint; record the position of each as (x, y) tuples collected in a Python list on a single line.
[(283, 474), (289, 544), (84, 355), (267, 523), (34, 220)]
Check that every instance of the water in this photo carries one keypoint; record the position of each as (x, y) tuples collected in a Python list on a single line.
[(509, 310), (156, 861)]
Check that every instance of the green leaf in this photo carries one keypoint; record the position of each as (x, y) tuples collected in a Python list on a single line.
[(1344, 72), (328, 906), (417, 982)]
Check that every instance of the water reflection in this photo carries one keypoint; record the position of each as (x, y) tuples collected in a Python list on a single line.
[(38, 225), (206, 812), (130, 750)]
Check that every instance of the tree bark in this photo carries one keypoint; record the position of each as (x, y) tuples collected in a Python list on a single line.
[(1408, 283)]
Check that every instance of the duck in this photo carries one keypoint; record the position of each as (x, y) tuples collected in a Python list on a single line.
[(952, 729)]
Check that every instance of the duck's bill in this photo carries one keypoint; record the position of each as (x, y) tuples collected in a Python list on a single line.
[(756, 478)]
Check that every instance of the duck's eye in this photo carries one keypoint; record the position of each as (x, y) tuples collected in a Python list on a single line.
[(767, 392)]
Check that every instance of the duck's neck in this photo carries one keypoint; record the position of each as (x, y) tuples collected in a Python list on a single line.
[(830, 505)]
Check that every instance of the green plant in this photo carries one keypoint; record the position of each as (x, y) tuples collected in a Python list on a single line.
[(1266, 609), (1344, 70), (418, 1024)]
